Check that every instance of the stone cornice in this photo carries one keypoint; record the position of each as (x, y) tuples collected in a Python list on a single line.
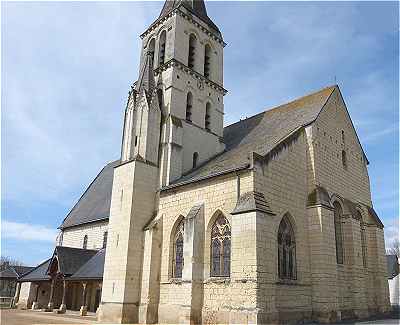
[(189, 18), (175, 63)]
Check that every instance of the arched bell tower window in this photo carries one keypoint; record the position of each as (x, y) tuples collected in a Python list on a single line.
[(189, 103), (177, 263), (192, 50), (161, 50), (151, 49), (221, 247), (207, 61), (85, 240), (286, 251), (207, 122), (195, 159), (338, 214)]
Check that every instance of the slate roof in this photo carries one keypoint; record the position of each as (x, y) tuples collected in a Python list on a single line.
[(196, 7), (261, 133), (14, 271), (392, 266), (92, 269), (39, 273), (71, 259), (94, 204), (146, 80)]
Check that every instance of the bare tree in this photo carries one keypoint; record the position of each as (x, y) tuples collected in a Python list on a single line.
[(5, 261), (395, 249)]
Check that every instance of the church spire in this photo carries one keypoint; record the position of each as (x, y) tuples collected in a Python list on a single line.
[(146, 80), (196, 7)]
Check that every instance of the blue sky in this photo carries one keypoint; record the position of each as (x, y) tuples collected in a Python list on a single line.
[(67, 68)]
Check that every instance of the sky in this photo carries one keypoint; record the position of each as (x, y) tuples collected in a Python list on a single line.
[(67, 67)]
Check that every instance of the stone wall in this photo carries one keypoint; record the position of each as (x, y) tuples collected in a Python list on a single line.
[(73, 237)]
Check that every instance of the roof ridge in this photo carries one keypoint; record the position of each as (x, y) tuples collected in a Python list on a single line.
[(284, 104)]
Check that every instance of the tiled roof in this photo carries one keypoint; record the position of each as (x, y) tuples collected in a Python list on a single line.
[(71, 259), (39, 273), (92, 269), (15, 271), (94, 204), (261, 133), (196, 7), (392, 266)]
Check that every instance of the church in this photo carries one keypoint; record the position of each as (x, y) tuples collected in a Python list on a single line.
[(265, 221)]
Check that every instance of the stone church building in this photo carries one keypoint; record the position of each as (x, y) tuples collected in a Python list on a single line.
[(267, 220)]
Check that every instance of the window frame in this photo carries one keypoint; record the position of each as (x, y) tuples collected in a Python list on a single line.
[(287, 262), (221, 232)]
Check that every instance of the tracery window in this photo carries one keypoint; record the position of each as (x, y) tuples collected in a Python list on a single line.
[(286, 251), (363, 240), (177, 263), (338, 213), (221, 247), (85, 240)]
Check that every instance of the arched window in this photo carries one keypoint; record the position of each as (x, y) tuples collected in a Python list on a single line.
[(177, 263), (105, 235), (161, 50), (85, 240), (337, 214), (151, 49), (207, 121), (342, 136), (192, 50), (189, 103), (221, 247), (195, 159), (207, 61), (344, 159), (286, 251)]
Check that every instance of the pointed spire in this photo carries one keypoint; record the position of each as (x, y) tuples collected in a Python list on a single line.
[(146, 80), (196, 7)]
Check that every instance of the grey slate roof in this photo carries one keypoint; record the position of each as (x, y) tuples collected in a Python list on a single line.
[(39, 273), (95, 202), (196, 7), (71, 259), (14, 271), (146, 80), (261, 133), (392, 266), (92, 269), (252, 201)]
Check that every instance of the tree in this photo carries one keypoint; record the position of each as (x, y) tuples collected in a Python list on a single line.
[(395, 249), (5, 261)]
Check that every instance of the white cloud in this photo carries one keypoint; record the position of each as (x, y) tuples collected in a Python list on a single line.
[(391, 232), (26, 231)]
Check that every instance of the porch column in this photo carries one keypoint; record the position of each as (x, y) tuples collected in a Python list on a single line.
[(16, 296), (50, 305), (63, 306), (35, 304), (83, 310)]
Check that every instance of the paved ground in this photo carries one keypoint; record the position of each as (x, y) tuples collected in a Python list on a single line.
[(29, 317)]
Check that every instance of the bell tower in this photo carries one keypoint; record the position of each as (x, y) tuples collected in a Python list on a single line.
[(188, 65), (173, 123)]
